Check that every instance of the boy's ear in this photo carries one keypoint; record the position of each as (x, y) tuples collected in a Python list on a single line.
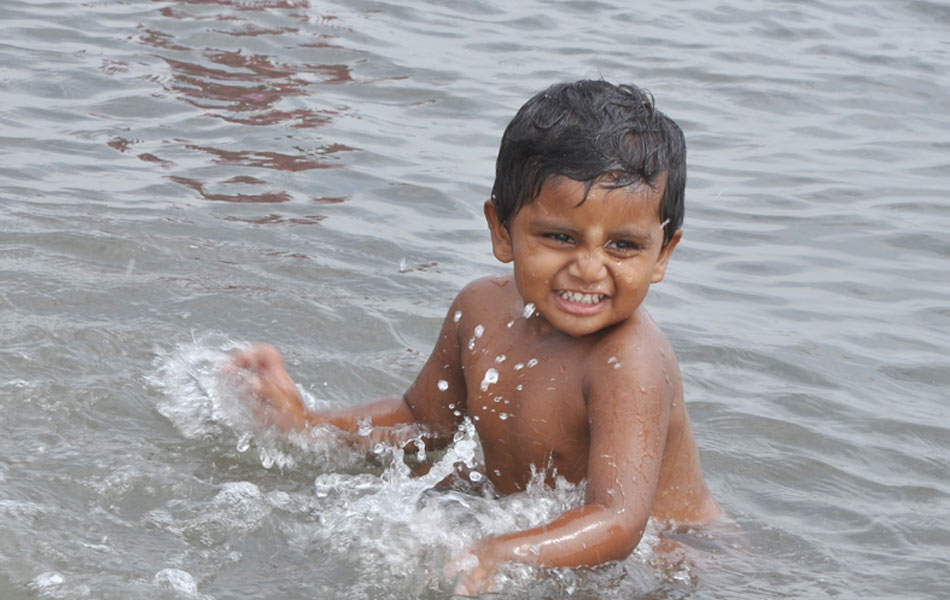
[(500, 236), (659, 268)]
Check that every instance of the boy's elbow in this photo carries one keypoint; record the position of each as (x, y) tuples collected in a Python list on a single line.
[(622, 536)]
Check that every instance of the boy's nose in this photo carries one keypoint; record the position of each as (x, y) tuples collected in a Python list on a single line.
[(588, 265)]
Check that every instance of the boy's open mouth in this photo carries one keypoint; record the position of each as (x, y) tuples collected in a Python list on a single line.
[(580, 297)]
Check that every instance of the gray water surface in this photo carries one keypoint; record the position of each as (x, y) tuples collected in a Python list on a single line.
[(178, 178)]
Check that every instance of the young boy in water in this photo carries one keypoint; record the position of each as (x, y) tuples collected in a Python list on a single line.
[(559, 366)]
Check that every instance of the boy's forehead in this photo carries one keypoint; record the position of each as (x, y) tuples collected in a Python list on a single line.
[(582, 191)]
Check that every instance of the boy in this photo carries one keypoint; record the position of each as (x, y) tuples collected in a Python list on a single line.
[(559, 366)]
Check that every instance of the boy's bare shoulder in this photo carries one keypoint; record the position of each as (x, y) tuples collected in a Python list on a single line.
[(636, 349), (490, 293)]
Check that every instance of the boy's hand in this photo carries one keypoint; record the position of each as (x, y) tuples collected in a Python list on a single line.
[(475, 572), (274, 398)]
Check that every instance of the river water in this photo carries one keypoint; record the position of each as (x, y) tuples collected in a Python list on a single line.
[(178, 178)]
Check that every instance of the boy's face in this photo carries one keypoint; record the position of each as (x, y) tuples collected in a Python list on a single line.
[(585, 264)]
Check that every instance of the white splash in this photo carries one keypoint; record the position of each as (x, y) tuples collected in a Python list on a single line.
[(176, 580), (203, 400), (403, 528), (491, 377)]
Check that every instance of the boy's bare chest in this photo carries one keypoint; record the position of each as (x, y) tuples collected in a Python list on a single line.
[(526, 399)]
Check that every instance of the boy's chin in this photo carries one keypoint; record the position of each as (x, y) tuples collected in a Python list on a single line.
[(579, 327)]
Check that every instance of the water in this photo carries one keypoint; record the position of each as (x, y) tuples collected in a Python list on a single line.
[(178, 178)]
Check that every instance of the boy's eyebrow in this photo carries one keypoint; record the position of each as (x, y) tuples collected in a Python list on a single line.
[(638, 236)]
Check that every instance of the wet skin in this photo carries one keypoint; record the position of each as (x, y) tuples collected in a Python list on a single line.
[(587, 387)]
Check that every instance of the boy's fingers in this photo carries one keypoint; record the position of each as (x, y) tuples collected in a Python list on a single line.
[(241, 360)]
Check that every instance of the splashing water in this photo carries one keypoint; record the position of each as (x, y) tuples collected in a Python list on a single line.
[(203, 401), (372, 517)]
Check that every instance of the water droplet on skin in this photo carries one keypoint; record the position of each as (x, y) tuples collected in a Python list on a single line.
[(532, 362), (519, 366), (475, 418), (503, 416), (364, 428), (471, 344), (497, 473), (618, 365), (443, 385), (456, 413), (479, 330), (519, 387), (451, 406), (491, 376), (457, 316), (611, 360), (510, 324), (528, 310), (500, 358)]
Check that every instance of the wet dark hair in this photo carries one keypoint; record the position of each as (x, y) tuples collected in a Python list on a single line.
[(594, 132)]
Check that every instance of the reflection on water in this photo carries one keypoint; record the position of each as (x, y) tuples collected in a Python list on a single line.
[(245, 88), (179, 174)]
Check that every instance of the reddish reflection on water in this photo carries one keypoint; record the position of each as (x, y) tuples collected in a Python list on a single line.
[(271, 219), (270, 160), (198, 186), (241, 87)]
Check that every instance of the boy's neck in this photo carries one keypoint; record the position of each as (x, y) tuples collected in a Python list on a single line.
[(539, 327)]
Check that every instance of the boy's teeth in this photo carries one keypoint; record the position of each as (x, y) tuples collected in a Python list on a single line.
[(582, 298)]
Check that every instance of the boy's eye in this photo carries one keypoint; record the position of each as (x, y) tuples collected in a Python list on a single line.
[(623, 246), (561, 238)]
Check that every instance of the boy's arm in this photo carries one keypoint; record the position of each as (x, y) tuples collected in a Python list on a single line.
[(276, 401), (628, 413)]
